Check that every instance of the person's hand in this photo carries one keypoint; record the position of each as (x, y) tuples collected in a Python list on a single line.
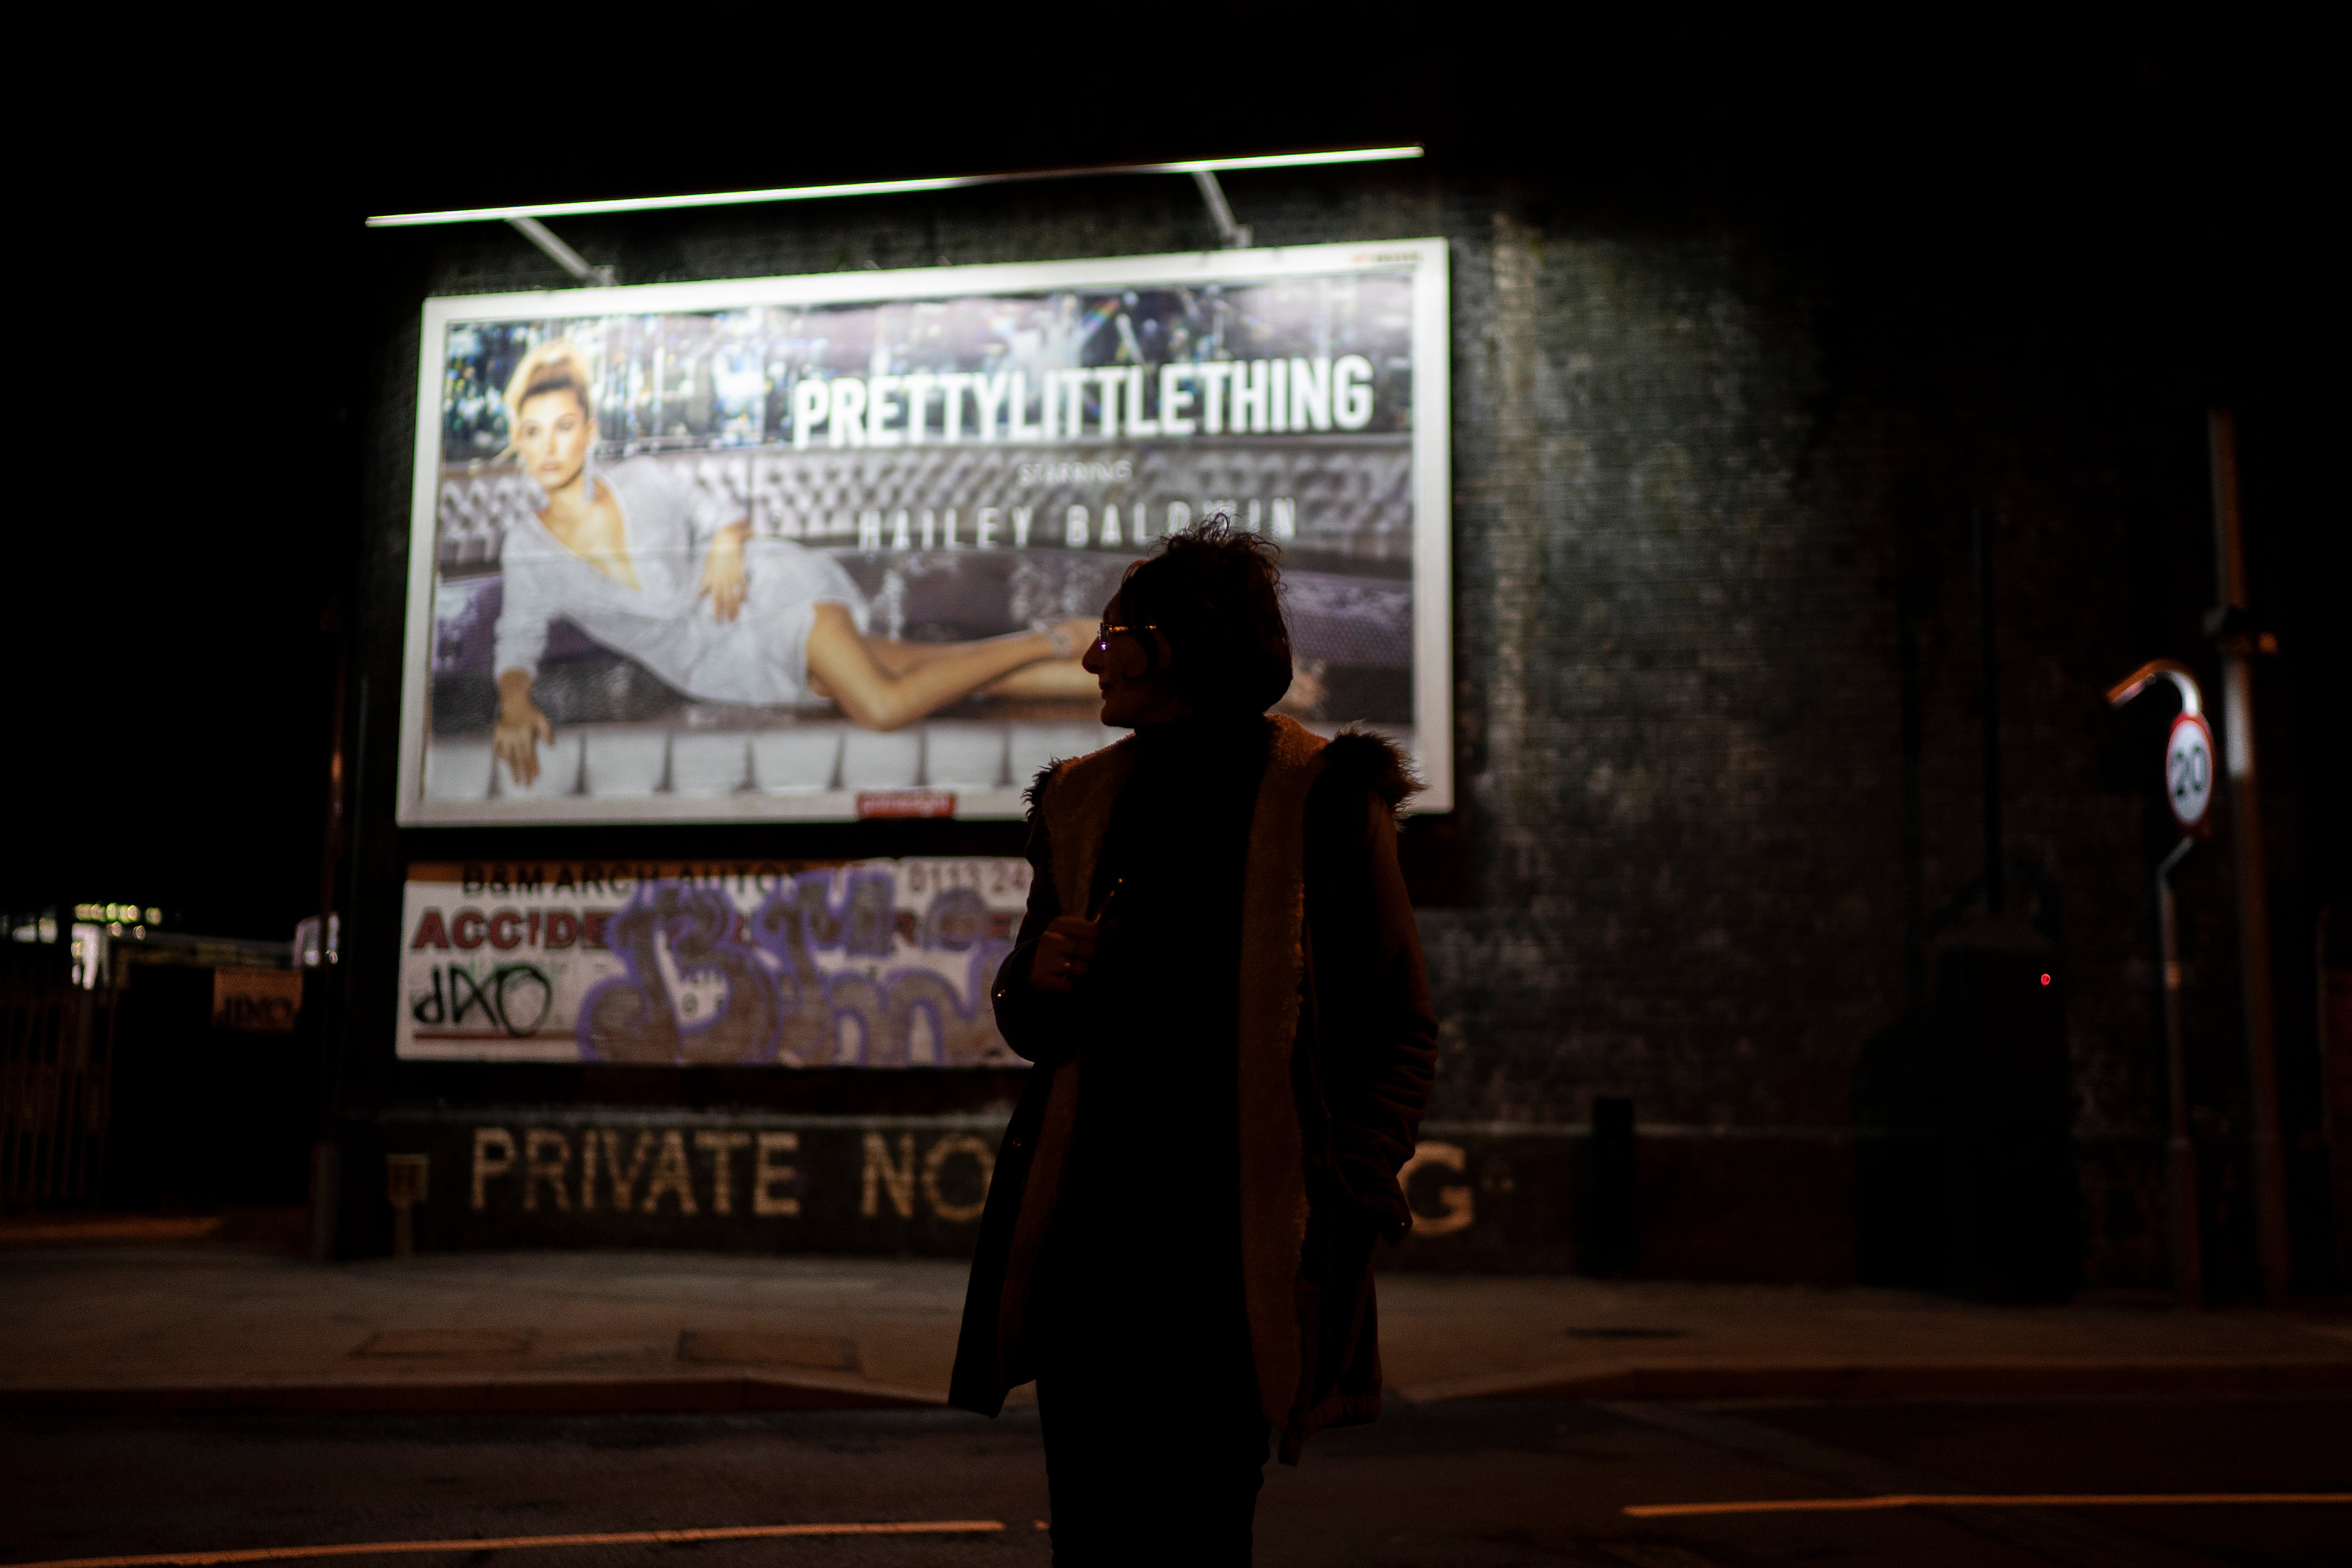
[(722, 576), (1063, 954), (516, 739)]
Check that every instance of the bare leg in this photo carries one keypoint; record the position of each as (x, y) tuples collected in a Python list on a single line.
[(898, 658), (883, 684), (1048, 679), (1045, 678)]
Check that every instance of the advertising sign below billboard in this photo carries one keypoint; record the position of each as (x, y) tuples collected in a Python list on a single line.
[(813, 547), (257, 1001), (713, 964)]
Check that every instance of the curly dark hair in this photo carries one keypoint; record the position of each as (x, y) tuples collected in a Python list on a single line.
[(1216, 592)]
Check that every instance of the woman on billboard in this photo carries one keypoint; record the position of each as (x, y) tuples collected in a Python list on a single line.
[(630, 555)]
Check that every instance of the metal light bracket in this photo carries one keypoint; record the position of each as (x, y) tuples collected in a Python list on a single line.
[(563, 256), (1235, 235)]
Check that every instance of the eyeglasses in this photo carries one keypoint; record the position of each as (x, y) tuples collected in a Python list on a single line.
[(1105, 631)]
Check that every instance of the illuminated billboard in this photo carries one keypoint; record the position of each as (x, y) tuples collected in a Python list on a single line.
[(816, 548)]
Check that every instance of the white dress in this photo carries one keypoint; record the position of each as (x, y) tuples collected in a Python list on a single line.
[(761, 656)]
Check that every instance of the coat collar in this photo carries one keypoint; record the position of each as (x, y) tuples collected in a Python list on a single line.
[(1075, 797)]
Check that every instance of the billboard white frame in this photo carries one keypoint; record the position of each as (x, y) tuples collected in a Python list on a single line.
[(1432, 629)]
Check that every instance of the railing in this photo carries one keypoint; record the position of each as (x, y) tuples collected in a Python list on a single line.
[(56, 1053)]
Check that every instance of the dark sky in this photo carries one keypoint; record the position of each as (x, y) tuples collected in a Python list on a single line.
[(199, 190)]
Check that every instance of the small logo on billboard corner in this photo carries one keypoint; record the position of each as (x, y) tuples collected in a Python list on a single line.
[(906, 803)]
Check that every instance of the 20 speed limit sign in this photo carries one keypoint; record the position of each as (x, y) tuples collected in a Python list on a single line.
[(2189, 769)]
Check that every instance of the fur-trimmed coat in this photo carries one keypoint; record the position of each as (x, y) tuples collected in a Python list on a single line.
[(1336, 1052)]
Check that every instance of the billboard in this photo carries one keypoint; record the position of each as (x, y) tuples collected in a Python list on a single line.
[(880, 963), (816, 548)]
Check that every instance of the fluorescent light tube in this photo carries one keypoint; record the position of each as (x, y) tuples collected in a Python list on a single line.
[(883, 187)]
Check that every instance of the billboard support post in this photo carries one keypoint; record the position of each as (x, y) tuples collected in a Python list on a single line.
[(1990, 715), (326, 998)]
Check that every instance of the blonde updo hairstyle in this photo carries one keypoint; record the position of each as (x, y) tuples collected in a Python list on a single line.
[(556, 366)]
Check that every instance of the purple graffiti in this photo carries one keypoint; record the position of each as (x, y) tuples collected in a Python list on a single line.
[(876, 1012), (634, 1018)]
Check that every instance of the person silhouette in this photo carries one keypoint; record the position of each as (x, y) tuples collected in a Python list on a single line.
[(1220, 981)]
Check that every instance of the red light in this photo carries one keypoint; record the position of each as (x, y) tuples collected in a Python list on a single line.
[(2045, 979)]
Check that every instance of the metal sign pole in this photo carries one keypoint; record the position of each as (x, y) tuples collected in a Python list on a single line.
[(2179, 1151), (2188, 790)]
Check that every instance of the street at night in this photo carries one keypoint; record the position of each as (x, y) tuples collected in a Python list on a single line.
[(769, 770), (1484, 1484)]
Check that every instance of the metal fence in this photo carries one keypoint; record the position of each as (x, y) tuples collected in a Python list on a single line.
[(57, 1057)]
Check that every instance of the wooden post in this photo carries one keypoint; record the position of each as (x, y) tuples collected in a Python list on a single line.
[(2253, 893)]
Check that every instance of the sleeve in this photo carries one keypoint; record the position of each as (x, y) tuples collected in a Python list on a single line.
[(1034, 1024), (705, 512), (526, 609), (1378, 1033), (788, 572)]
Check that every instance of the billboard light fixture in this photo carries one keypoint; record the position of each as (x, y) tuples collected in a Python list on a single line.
[(1204, 169)]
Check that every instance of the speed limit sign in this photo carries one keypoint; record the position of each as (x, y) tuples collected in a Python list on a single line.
[(2189, 769)]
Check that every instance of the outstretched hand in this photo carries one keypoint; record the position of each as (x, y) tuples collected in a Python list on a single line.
[(517, 738), (722, 576), (1064, 952)]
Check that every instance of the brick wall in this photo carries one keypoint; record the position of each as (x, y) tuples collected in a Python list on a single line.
[(1710, 560), (1715, 660)]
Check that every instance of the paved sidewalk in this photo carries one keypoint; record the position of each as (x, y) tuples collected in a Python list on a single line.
[(199, 1325)]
